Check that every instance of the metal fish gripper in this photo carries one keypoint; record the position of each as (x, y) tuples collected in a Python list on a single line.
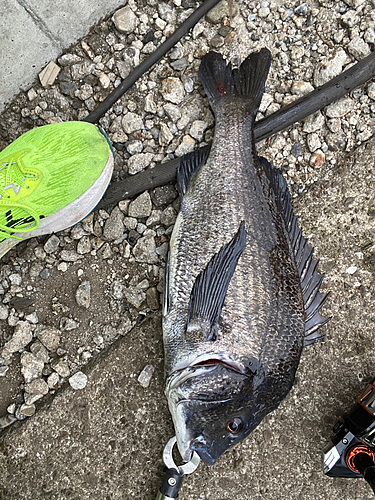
[(175, 473)]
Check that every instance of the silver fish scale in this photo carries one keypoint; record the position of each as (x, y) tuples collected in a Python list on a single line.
[(263, 312)]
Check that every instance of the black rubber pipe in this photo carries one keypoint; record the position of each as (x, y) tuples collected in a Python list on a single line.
[(283, 118), (145, 65), (317, 99)]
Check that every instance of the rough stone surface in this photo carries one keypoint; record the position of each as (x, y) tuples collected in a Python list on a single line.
[(125, 20), (145, 250), (313, 123), (21, 337), (50, 338), (131, 122), (139, 162), (172, 90), (371, 91), (37, 386), (222, 9), (83, 294), (145, 376), (78, 381), (62, 368), (331, 68), (114, 227), (358, 48), (141, 206), (340, 108), (31, 366), (52, 244)]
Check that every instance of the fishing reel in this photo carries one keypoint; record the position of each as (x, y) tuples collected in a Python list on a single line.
[(351, 452)]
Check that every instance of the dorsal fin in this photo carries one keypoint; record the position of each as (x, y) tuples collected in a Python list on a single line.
[(189, 165), (211, 285), (306, 265)]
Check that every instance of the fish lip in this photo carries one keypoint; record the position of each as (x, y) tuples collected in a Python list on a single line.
[(205, 456), (199, 446), (206, 357), (193, 367), (210, 361)]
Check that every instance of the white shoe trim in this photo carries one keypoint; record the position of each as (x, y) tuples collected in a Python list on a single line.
[(69, 215)]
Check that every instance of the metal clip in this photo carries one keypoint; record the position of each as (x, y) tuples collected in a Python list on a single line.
[(174, 475)]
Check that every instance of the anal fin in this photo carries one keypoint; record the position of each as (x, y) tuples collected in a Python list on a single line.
[(211, 286)]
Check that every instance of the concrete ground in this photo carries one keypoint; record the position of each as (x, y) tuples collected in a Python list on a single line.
[(106, 440), (35, 32)]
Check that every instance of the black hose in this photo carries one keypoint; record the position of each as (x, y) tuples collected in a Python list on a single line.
[(145, 65), (317, 99), (366, 466), (283, 118)]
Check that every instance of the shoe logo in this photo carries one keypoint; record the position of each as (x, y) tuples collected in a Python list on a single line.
[(17, 222), (15, 188)]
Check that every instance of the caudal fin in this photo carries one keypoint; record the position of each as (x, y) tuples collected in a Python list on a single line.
[(220, 80)]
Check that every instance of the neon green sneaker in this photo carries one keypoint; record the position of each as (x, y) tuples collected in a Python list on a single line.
[(50, 178)]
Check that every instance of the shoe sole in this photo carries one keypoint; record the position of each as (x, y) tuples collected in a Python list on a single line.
[(69, 215)]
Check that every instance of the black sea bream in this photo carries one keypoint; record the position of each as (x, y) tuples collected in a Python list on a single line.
[(242, 292)]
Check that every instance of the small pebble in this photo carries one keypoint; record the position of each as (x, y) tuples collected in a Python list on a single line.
[(68, 324), (351, 269), (53, 381), (50, 338), (83, 294), (3, 370), (145, 376), (78, 381), (25, 411), (62, 368)]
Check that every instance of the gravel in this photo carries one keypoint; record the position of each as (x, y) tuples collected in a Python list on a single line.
[(66, 298), (78, 381)]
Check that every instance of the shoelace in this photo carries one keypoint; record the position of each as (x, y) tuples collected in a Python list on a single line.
[(14, 178)]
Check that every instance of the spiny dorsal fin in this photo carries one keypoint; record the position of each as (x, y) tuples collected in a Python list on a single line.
[(306, 265), (210, 288), (189, 165)]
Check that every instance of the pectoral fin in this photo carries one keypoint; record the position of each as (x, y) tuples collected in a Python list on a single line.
[(210, 288)]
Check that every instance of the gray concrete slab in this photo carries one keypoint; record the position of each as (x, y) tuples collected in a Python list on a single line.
[(24, 49), (72, 19), (34, 32)]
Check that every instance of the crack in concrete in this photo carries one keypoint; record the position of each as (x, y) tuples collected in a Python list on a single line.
[(40, 23)]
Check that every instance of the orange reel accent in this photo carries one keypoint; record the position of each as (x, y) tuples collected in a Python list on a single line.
[(361, 448)]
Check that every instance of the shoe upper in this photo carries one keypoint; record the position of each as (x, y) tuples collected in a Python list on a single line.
[(45, 170)]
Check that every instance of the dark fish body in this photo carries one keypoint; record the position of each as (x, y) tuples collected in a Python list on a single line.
[(242, 295)]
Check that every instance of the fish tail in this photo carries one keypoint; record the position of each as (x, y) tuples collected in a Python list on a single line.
[(221, 81)]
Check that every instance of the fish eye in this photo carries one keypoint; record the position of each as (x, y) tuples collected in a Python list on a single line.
[(234, 426)]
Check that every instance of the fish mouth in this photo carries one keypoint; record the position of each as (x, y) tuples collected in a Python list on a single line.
[(217, 361), (200, 447), (211, 360), (199, 365)]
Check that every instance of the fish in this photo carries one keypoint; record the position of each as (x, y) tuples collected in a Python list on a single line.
[(242, 292)]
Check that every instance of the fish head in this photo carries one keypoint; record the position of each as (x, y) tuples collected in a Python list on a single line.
[(213, 407)]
